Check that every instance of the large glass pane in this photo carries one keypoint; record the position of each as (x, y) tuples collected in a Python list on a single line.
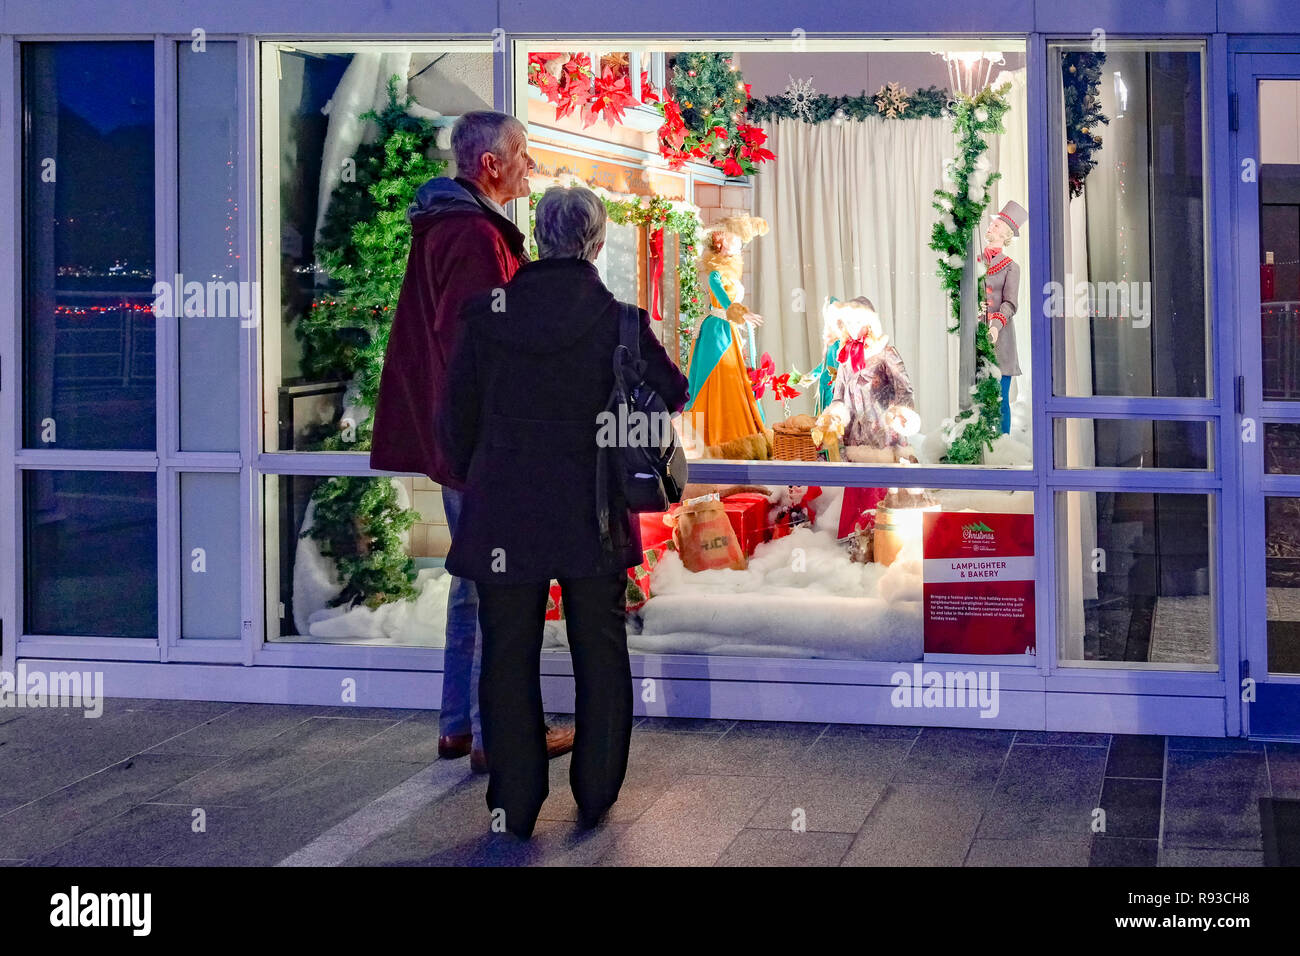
[(210, 555), (88, 245), (1282, 583), (90, 553), (1279, 238), (1132, 443), (1135, 579), (1130, 291), (355, 560), (210, 224), (336, 213)]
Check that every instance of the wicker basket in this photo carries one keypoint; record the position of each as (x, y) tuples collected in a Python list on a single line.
[(792, 439)]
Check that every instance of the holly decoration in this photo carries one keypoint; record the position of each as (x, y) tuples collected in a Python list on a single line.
[(961, 207), (1081, 76), (704, 116), (363, 246)]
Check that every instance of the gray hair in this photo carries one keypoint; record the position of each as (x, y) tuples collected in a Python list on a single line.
[(478, 132), (570, 223)]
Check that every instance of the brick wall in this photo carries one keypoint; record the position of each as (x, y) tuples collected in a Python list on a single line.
[(719, 202), (429, 536)]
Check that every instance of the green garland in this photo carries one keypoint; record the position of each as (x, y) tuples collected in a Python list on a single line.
[(1081, 76), (659, 213), (961, 209), (364, 244), (932, 101)]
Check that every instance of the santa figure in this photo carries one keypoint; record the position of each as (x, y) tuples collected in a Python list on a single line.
[(1001, 293)]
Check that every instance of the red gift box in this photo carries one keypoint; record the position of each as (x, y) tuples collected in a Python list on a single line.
[(747, 511)]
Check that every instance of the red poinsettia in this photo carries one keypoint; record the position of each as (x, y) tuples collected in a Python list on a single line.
[(761, 377), (612, 95), (782, 390)]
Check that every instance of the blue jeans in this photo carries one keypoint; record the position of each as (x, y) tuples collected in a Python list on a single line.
[(463, 656), (1006, 404)]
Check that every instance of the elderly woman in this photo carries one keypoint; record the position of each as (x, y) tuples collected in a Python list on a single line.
[(531, 372)]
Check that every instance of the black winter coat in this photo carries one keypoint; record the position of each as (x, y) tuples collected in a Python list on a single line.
[(528, 376)]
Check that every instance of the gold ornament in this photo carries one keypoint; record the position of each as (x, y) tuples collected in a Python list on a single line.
[(1070, 148)]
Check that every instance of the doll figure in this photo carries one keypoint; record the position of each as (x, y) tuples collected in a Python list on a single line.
[(722, 417), (872, 390), (1001, 292)]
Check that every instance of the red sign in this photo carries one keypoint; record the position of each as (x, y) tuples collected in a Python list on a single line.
[(979, 582)]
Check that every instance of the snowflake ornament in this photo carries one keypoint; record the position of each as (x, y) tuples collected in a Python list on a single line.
[(891, 100), (800, 93)]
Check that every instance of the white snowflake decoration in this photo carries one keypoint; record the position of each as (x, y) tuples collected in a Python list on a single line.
[(891, 99), (800, 93)]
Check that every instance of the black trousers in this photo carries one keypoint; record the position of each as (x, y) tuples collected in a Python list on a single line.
[(512, 617)]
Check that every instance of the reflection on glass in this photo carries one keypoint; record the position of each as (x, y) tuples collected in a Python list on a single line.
[(1282, 583), (1135, 579), (88, 245), (339, 205), (1132, 443), (1279, 238), (90, 553), (356, 560), (1129, 300)]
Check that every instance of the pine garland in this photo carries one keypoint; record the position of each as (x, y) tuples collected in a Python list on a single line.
[(1081, 76), (364, 244), (961, 209), (931, 101), (660, 213), (704, 113)]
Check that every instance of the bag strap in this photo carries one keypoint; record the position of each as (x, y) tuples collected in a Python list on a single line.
[(626, 359)]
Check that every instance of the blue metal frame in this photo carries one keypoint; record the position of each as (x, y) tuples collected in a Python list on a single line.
[(1276, 710), (1061, 697)]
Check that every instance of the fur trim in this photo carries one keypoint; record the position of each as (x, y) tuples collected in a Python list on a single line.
[(755, 447)]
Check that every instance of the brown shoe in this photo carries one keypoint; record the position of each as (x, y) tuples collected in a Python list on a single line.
[(454, 746), (559, 741)]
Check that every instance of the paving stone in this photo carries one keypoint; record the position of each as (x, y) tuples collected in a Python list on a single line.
[(867, 753), (59, 816), (1028, 853), (829, 804), (1197, 856), (683, 725), (1132, 807), (1136, 757), (268, 831), (411, 741), (919, 825), (459, 819), (1112, 851), (246, 778), (1212, 799), (238, 730), (138, 837), (1284, 769), (1046, 793), (955, 758), (1059, 738), (766, 749), (1230, 744), (785, 848), (553, 843)]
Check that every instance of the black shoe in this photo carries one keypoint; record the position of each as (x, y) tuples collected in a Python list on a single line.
[(591, 820)]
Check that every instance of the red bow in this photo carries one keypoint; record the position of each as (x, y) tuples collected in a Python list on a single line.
[(656, 272), (852, 353)]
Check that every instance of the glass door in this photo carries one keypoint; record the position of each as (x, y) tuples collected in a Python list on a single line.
[(1268, 314)]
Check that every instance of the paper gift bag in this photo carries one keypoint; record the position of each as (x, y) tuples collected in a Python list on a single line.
[(704, 537)]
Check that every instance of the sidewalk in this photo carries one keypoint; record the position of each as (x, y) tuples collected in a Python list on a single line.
[(197, 783)]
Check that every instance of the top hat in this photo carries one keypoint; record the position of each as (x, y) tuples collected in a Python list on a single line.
[(1014, 215)]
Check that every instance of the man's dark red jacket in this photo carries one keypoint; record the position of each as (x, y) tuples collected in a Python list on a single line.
[(460, 248)]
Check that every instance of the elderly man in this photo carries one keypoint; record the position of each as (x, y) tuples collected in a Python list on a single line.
[(531, 380), (462, 244)]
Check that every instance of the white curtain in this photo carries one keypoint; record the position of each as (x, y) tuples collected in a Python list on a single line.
[(850, 211)]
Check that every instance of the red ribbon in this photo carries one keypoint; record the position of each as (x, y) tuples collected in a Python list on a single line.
[(656, 272), (851, 352)]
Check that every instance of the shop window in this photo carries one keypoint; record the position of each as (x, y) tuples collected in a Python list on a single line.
[(1129, 300), (88, 245), (331, 289), (210, 555), (1282, 583), (90, 564), (355, 559), (1133, 443), (210, 224), (1135, 582)]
